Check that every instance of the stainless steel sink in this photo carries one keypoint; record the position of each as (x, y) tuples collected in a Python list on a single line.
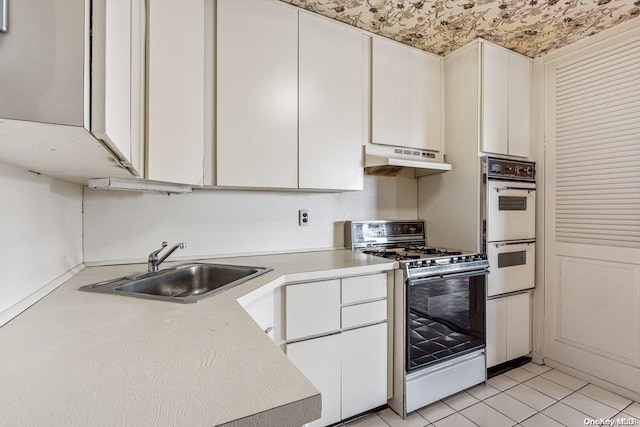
[(185, 283)]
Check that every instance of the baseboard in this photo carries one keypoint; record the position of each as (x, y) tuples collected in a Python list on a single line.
[(629, 394), (27, 302)]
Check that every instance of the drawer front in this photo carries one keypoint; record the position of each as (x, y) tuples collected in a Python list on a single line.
[(363, 314), (444, 381), (312, 309), (363, 288)]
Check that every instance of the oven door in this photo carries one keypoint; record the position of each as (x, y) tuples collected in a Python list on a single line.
[(511, 210), (445, 318), (512, 266)]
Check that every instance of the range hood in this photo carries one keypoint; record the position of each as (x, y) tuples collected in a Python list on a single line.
[(387, 160)]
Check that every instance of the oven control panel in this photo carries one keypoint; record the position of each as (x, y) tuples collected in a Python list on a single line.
[(510, 169)]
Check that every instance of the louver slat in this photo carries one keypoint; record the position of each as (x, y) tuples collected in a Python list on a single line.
[(597, 149)]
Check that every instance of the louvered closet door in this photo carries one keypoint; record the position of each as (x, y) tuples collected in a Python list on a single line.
[(592, 259)]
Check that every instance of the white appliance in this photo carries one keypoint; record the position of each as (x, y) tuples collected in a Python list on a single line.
[(439, 312), (391, 160), (509, 224)]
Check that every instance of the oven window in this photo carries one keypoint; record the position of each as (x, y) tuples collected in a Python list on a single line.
[(511, 259), (512, 203), (445, 318)]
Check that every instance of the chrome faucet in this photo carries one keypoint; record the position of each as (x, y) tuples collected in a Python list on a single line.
[(154, 262)]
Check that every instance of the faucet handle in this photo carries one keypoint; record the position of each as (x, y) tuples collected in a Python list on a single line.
[(154, 254)]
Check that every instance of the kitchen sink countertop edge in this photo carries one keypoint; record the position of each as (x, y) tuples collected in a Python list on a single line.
[(81, 358)]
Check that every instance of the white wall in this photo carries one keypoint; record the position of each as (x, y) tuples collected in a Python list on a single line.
[(41, 233), (126, 226)]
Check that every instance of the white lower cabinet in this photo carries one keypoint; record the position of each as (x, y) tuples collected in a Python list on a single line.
[(364, 369), (345, 351), (320, 360), (349, 369), (508, 328)]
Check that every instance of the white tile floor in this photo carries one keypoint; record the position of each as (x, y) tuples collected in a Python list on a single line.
[(531, 395)]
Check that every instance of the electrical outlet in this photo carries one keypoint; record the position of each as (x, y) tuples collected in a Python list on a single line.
[(303, 217)]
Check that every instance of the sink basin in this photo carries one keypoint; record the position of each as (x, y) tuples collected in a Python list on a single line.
[(185, 283)]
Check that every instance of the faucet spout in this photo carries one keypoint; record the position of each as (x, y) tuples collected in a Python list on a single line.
[(153, 261)]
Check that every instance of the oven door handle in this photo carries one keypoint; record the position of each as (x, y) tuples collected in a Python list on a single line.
[(420, 281), (499, 245), (528, 190)]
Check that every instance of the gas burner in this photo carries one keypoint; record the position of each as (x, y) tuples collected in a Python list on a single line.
[(431, 251), (382, 253)]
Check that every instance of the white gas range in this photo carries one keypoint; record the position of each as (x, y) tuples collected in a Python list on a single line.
[(439, 311)]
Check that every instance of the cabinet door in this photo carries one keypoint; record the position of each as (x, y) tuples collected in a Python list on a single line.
[(330, 106), (312, 309), (257, 94), (117, 78), (319, 359), (426, 101), (495, 64), (364, 369), (176, 92), (518, 326), (519, 92), (391, 93), (406, 96), (496, 331)]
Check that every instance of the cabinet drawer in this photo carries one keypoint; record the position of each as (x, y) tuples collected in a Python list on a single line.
[(312, 309), (362, 314), (363, 288)]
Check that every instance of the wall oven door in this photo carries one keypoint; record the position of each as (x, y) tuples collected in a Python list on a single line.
[(511, 210), (445, 318), (512, 266)]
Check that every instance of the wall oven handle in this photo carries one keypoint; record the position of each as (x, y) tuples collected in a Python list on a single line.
[(499, 245), (418, 280), (528, 190)]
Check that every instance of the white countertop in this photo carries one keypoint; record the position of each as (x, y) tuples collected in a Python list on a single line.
[(79, 358)]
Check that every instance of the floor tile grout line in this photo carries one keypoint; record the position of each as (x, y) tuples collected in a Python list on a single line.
[(627, 407), (464, 416), (550, 397), (579, 388), (498, 410), (588, 397)]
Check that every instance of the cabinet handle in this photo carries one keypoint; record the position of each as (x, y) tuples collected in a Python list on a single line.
[(269, 329), (4, 16)]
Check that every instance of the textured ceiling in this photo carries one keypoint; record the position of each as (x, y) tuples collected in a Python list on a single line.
[(531, 27)]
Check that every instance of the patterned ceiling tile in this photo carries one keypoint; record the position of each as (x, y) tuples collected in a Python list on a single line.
[(531, 27)]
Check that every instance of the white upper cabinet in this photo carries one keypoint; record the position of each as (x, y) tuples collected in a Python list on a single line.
[(330, 105), (257, 94), (495, 111), (176, 84), (289, 102), (117, 84), (519, 102), (406, 96), (505, 102), (87, 83)]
